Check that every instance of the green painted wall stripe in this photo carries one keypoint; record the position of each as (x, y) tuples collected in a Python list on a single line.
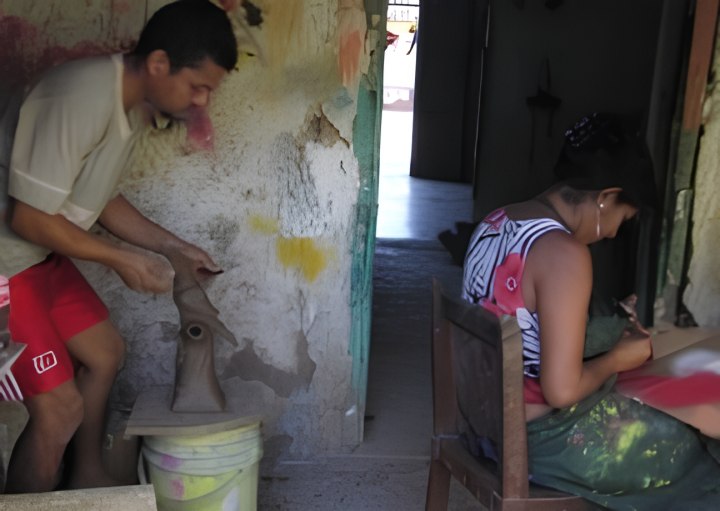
[(366, 145)]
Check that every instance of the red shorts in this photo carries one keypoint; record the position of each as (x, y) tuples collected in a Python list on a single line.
[(49, 304)]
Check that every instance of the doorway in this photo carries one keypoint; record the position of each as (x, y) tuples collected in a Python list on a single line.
[(412, 211)]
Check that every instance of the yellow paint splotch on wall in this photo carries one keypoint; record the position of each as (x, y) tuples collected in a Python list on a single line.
[(263, 224), (304, 254)]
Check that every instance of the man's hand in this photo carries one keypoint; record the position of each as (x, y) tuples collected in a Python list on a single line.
[(187, 260), (186, 256), (146, 273)]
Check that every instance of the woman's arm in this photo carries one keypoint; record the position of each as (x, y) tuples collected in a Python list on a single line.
[(559, 271)]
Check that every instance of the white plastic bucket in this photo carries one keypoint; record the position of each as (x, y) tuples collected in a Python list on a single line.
[(211, 472)]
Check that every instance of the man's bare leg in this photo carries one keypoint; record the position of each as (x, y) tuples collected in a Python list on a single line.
[(54, 418), (100, 350)]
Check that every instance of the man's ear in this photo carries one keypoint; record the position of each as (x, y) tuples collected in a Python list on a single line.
[(605, 195), (157, 63)]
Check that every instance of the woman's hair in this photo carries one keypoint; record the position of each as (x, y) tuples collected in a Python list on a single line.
[(606, 151), (190, 31)]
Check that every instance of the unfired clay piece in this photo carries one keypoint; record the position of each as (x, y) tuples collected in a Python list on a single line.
[(196, 385)]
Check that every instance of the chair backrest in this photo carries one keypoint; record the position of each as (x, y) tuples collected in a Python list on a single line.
[(478, 385)]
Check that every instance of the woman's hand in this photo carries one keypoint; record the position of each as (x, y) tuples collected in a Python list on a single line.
[(634, 349), (629, 305)]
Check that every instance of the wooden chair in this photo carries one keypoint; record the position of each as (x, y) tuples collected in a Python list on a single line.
[(478, 393)]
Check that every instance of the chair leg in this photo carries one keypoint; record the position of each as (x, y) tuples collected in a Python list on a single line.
[(438, 488)]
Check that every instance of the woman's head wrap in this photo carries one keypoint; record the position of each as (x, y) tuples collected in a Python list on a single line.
[(605, 151)]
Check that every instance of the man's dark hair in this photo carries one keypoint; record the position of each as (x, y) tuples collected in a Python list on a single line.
[(190, 31)]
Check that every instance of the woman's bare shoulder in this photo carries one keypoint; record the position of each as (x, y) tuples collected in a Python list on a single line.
[(557, 249), (555, 264)]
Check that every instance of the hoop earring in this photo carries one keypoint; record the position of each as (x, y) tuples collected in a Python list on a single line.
[(597, 227)]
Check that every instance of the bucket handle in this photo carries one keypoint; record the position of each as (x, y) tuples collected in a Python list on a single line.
[(142, 476)]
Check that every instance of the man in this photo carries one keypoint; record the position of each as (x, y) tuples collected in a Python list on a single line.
[(74, 133)]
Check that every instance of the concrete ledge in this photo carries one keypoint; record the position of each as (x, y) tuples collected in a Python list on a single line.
[(119, 498)]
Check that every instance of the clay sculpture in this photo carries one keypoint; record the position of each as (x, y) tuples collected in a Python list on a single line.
[(196, 384)]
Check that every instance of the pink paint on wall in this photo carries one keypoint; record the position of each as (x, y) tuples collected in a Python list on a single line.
[(349, 56), (200, 133), (121, 6), (27, 52), (352, 27)]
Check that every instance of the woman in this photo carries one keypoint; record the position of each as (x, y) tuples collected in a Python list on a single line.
[(532, 260)]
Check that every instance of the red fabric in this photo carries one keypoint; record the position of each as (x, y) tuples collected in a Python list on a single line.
[(671, 391), (49, 304), (533, 392), (506, 288), (391, 38)]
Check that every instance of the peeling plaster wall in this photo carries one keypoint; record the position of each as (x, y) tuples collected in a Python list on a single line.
[(702, 294), (274, 202)]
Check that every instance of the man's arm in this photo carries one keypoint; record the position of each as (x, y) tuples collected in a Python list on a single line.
[(140, 272), (126, 222)]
